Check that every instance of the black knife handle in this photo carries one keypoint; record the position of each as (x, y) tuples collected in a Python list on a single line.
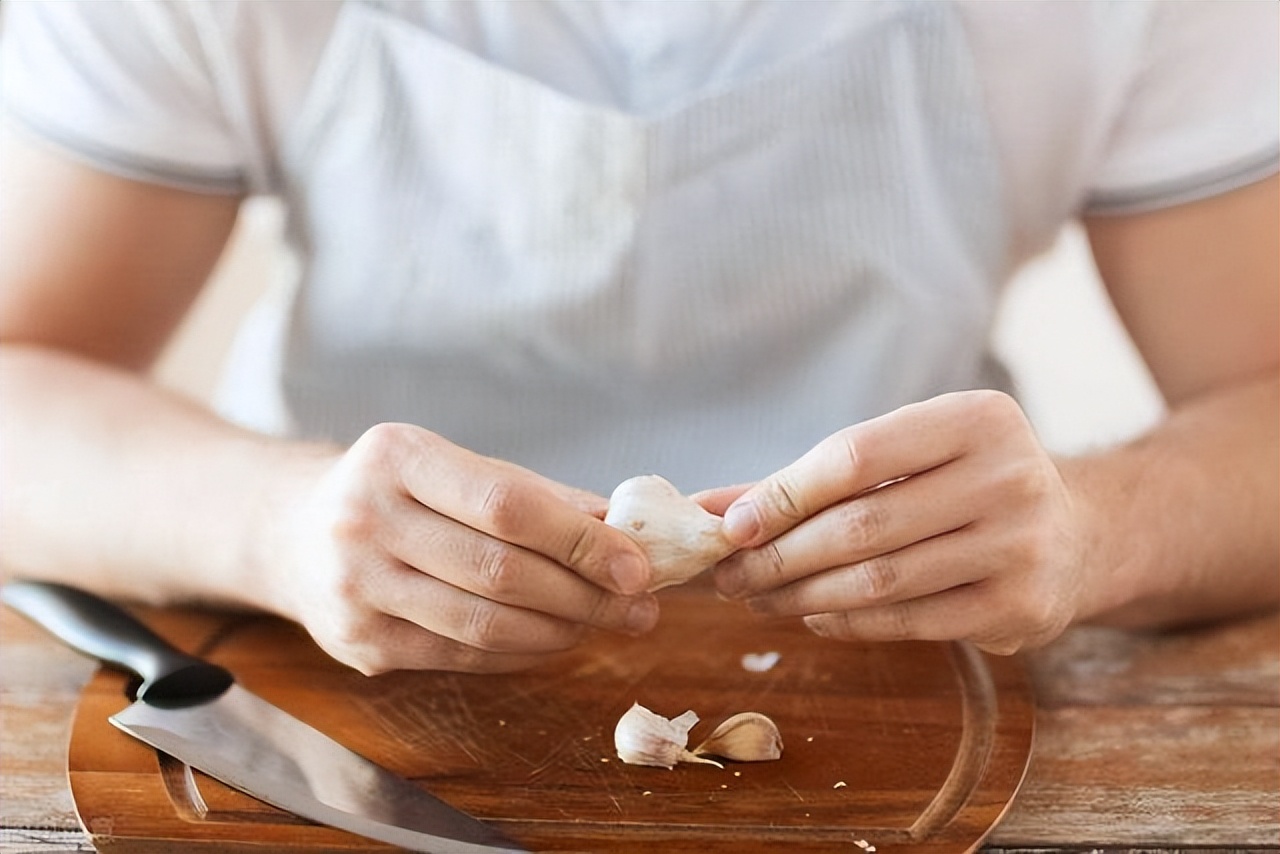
[(110, 634)]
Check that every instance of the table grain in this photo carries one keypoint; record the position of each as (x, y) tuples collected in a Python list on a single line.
[(1144, 742)]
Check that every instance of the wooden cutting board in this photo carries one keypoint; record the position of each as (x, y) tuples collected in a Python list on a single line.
[(910, 747)]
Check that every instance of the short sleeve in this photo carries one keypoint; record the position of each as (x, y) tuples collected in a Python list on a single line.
[(123, 86), (1202, 115)]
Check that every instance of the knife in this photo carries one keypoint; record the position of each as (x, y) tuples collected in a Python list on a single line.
[(195, 711)]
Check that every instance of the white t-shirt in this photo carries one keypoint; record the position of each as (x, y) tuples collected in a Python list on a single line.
[(939, 147)]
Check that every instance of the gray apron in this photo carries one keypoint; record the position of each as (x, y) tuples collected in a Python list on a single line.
[(704, 292)]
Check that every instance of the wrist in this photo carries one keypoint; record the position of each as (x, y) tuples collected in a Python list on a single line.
[(1112, 561), (267, 559)]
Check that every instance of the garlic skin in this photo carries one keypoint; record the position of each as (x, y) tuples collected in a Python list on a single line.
[(679, 536), (760, 662), (643, 737), (745, 737)]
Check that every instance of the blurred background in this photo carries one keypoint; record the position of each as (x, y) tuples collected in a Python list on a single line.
[(1079, 376)]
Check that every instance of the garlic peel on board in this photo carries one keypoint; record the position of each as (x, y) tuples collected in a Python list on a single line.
[(643, 737), (680, 537)]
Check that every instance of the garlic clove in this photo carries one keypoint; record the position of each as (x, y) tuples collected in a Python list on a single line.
[(643, 737), (680, 537), (745, 737)]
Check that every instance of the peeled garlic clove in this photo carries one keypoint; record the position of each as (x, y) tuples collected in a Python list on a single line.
[(679, 536), (745, 737), (643, 737)]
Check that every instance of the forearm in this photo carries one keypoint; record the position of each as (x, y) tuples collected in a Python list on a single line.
[(1182, 523), (118, 486)]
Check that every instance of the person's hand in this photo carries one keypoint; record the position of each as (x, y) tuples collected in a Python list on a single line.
[(408, 552), (942, 520)]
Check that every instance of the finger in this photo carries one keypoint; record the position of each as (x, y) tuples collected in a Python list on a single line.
[(902, 443), (717, 500), (955, 614), (396, 644), (469, 619), (877, 522), (588, 502), (521, 507), (479, 564), (922, 569)]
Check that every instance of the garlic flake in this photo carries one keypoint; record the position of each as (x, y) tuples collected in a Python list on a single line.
[(643, 737), (760, 662), (680, 537), (745, 737)]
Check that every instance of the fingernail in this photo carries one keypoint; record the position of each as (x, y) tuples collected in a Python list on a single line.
[(741, 522), (730, 583), (629, 573), (819, 624), (642, 615)]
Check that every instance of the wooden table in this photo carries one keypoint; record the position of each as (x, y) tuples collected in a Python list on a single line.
[(1152, 742)]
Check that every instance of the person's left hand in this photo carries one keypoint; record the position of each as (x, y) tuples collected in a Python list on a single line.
[(942, 520)]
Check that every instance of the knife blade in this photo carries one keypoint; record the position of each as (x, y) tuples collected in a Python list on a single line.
[(195, 711)]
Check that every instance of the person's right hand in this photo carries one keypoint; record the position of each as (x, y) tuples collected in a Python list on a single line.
[(408, 552)]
